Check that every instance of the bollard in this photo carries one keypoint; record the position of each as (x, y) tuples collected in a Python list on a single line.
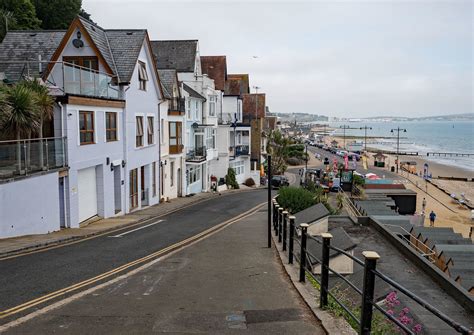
[(323, 298), (292, 234), (280, 222), (285, 217), (304, 229), (275, 204), (368, 291), (277, 207)]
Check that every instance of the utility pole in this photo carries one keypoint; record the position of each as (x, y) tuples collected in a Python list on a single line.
[(344, 127), (398, 130), (365, 136), (269, 210)]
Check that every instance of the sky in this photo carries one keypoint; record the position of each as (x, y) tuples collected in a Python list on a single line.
[(336, 58)]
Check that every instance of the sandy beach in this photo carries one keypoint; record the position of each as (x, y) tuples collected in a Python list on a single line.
[(449, 213)]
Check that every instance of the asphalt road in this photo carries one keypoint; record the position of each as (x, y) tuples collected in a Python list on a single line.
[(31, 276)]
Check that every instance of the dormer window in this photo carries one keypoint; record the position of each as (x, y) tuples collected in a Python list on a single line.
[(142, 76)]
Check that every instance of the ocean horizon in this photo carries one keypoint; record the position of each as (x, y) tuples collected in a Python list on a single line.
[(421, 137)]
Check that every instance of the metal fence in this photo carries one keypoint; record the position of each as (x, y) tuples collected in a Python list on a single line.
[(290, 236)]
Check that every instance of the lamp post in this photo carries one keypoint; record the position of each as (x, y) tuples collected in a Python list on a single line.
[(344, 127), (365, 136), (398, 130)]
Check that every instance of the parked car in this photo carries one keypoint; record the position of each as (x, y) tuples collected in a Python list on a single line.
[(279, 181), (354, 156)]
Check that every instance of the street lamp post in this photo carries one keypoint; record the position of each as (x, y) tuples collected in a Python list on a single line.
[(398, 130), (344, 127), (365, 136)]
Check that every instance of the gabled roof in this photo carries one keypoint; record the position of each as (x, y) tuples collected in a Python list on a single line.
[(193, 93), (216, 68), (168, 79), (233, 87), (253, 105), (125, 46), (175, 54), (27, 45), (340, 239)]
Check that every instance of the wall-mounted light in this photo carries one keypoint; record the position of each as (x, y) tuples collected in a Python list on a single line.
[(107, 160)]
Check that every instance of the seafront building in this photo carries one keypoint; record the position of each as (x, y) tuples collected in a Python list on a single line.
[(135, 122)]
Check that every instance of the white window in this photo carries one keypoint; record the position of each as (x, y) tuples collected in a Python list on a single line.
[(196, 110), (194, 174), (142, 76), (210, 138), (188, 108), (172, 173), (238, 167), (162, 129), (212, 105)]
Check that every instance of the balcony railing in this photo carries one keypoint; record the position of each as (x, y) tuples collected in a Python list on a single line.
[(25, 157), (176, 106), (242, 150), (62, 78), (198, 154), (88, 82)]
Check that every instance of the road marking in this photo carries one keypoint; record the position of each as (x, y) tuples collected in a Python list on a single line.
[(136, 229), (80, 239), (151, 257)]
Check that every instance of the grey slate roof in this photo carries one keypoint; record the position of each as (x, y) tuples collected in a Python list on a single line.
[(193, 93), (340, 239), (311, 214), (168, 79), (125, 46), (27, 45), (175, 54)]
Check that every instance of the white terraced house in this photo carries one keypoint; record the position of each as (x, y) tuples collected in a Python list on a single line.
[(105, 122)]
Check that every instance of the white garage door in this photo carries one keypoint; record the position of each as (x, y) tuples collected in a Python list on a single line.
[(87, 192)]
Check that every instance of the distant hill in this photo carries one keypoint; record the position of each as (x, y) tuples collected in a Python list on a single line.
[(451, 117)]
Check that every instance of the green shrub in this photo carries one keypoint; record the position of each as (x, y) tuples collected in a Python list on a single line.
[(358, 180), (230, 179), (295, 199)]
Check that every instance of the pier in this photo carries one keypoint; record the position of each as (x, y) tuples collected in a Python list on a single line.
[(449, 154)]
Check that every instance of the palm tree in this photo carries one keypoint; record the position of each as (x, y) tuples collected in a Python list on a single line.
[(44, 103), (18, 114)]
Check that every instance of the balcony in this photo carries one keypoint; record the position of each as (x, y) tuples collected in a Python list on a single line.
[(177, 107), (83, 81), (242, 150), (196, 155), (26, 157)]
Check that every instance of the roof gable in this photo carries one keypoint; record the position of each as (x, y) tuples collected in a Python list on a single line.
[(216, 68), (169, 80), (180, 55), (243, 80)]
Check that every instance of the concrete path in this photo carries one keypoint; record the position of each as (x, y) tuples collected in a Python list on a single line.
[(228, 283)]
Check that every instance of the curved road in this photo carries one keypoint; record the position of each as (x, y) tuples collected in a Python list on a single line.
[(31, 276)]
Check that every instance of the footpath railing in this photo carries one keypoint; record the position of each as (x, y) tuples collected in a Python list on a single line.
[(285, 229)]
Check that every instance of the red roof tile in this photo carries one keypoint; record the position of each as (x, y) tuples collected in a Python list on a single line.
[(216, 68)]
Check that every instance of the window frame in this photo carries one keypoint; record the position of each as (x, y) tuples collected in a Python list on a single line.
[(142, 76), (139, 137), (150, 124), (133, 188), (108, 129), (153, 182), (86, 131)]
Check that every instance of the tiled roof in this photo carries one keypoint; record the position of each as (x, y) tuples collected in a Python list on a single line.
[(175, 54), (193, 93), (125, 46), (168, 80), (27, 45), (232, 87), (340, 239), (216, 68)]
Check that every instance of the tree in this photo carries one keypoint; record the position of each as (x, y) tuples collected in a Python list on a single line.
[(278, 147), (23, 15), (18, 114), (57, 14), (44, 103)]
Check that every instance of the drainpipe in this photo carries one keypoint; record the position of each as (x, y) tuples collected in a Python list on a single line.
[(158, 173), (125, 151), (67, 221)]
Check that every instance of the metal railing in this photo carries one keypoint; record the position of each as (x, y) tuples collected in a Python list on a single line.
[(25, 157), (63, 78), (197, 154), (242, 150), (353, 212), (285, 228)]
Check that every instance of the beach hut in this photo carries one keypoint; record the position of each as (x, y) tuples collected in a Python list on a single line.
[(409, 166), (379, 159), (334, 143)]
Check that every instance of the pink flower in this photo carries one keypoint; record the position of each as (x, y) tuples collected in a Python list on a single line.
[(417, 328), (404, 319), (390, 312)]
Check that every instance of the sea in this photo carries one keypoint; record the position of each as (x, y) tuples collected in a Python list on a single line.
[(421, 137)]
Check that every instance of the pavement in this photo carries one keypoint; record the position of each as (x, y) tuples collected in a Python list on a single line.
[(228, 283), (15, 245)]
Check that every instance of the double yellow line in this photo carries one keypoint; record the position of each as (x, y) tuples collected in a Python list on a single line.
[(75, 287)]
